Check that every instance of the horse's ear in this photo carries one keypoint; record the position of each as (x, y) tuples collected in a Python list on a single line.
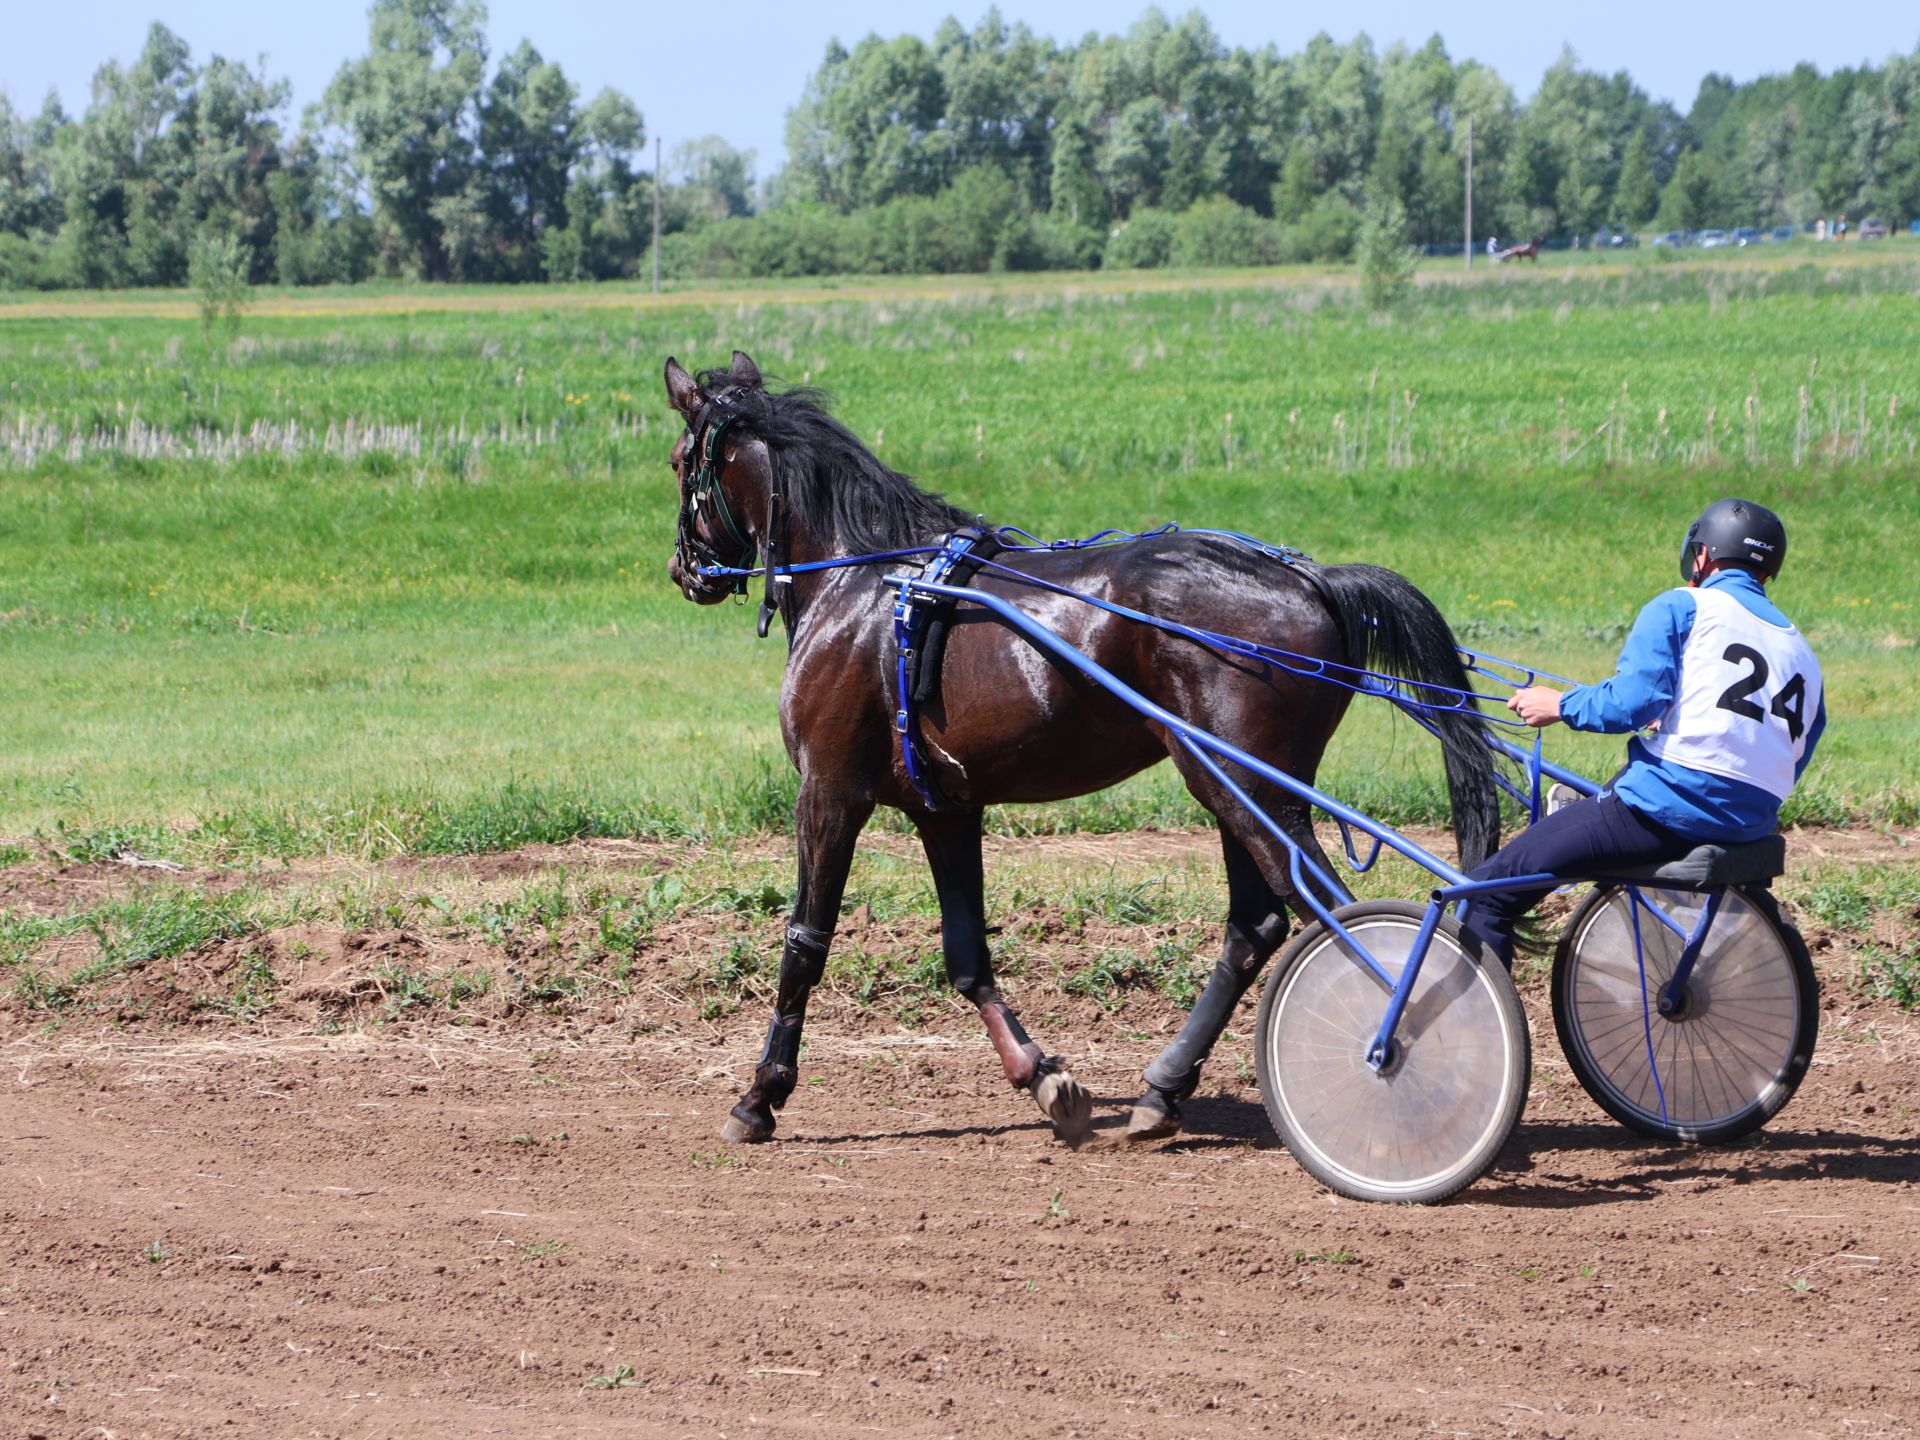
[(745, 371), (683, 392)]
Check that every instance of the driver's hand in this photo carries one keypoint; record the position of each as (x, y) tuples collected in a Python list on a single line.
[(1537, 705)]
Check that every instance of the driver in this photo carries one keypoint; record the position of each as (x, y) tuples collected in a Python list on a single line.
[(1731, 695)]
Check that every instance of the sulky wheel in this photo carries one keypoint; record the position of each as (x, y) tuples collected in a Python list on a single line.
[(1732, 1052), (1432, 1121)]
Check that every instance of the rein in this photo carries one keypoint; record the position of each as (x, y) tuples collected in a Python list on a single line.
[(1419, 699)]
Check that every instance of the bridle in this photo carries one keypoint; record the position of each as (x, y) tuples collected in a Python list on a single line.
[(702, 490)]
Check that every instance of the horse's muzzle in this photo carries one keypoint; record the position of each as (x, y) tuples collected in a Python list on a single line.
[(695, 586)]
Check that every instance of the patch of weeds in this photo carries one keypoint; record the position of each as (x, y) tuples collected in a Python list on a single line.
[(1111, 972), (14, 855), (1800, 1285), (714, 1160), (1587, 1272), (19, 934), (1889, 974), (1325, 1257), (111, 842), (1839, 903), (365, 908), (168, 923), (859, 973), (1117, 901), (255, 988), (404, 988), (1851, 900), (751, 900), (156, 1254), (1178, 976), (1056, 1209), (457, 987), (543, 1249), (553, 989), (525, 1139), (1528, 1272), (621, 1377), (624, 923), (741, 961)]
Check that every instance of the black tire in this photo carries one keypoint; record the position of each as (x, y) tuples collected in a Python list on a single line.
[(1739, 1046), (1436, 1118)]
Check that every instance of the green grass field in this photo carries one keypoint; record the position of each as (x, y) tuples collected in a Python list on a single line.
[(383, 579)]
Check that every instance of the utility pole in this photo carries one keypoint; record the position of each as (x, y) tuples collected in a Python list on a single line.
[(656, 216), (1469, 194)]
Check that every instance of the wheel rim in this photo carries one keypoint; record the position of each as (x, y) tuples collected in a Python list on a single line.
[(1439, 1106), (1729, 1042)]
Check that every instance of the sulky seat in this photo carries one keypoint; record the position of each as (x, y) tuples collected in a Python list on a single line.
[(1753, 863)]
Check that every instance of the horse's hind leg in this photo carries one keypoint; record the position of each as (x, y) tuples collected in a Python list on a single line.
[(827, 828), (1256, 924), (952, 843), (1259, 885)]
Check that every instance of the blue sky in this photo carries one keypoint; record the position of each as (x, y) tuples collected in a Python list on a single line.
[(736, 73)]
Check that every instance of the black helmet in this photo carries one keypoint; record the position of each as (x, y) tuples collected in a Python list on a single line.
[(1737, 530)]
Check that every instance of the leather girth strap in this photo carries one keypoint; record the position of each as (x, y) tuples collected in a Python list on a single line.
[(934, 618)]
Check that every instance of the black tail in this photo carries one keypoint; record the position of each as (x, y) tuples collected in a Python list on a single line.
[(1390, 626)]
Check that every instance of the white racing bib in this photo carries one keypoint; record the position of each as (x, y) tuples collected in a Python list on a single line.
[(1747, 695)]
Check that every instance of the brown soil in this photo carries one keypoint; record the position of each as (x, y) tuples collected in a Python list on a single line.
[(410, 1228)]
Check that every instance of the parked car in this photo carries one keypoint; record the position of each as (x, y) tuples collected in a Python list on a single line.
[(1614, 237), (1712, 239), (1873, 228), (1779, 232), (1672, 240), (1746, 235)]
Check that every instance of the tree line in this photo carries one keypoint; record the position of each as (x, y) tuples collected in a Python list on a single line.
[(992, 147)]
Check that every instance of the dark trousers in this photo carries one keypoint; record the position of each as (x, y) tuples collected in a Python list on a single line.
[(1588, 837)]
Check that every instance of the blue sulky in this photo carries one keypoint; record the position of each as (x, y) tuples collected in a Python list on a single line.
[(1687, 1028)]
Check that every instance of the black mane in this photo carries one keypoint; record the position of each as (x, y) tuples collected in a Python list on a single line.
[(834, 487)]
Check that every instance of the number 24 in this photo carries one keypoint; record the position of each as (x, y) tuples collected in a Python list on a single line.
[(1790, 704)]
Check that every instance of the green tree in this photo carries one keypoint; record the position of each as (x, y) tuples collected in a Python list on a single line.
[(1691, 199), (1387, 261), (217, 269), (1635, 197), (529, 143), (411, 106)]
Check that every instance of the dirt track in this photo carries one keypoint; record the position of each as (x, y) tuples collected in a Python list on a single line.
[(428, 1229)]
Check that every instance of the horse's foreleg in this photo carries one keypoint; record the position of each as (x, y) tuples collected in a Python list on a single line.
[(952, 843), (1256, 924), (827, 829)]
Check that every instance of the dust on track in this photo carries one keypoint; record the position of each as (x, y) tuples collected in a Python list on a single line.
[(423, 1229)]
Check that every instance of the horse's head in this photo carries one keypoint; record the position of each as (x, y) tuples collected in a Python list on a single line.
[(723, 475)]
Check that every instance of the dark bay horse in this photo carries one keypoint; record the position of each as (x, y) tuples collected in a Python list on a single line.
[(771, 472)]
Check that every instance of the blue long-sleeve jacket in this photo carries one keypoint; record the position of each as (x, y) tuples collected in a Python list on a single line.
[(1692, 802)]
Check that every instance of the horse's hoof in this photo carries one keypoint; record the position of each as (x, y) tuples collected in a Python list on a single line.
[(1067, 1106), (1155, 1116), (744, 1127)]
